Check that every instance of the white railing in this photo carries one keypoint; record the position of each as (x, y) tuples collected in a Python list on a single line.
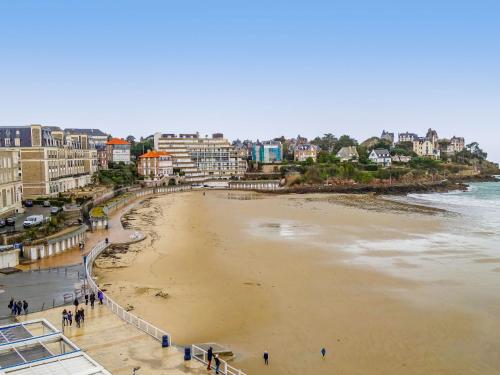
[(200, 355), (127, 316)]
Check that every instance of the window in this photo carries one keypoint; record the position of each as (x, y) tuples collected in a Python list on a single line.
[(7, 142)]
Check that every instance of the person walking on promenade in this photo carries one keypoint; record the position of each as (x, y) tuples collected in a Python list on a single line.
[(82, 314), (92, 299), (19, 307), (78, 318), (70, 317), (217, 363), (12, 306), (100, 295), (76, 303), (64, 317), (86, 298), (266, 358), (323, 352), (25, 307), (210, 355)]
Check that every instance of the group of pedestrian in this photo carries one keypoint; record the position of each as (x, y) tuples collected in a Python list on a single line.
[(210, 357), (17, 308), (91, 297), (67, 318), (67, 315)]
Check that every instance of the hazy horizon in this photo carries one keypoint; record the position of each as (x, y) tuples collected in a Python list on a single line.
[(254, 70)]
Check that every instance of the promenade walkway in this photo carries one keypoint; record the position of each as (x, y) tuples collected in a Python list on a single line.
[(116, 234), (119, 347)]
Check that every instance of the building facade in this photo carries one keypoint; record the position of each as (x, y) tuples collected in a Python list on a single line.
[(302, 152), (381, 157), (457, 144), (102, 157), (10, 182), (267, 152), (95, 137), (200, 159), (407, 137), (118, 151), (51, 163), (155, 165), (425, 147), (386, 136)]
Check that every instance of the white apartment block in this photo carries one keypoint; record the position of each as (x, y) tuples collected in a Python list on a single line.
[(201, 159)]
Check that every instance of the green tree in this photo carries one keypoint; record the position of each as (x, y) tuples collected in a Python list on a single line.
[(325, 143), (313, 175), (347, 171), (344, 141), (139, 148)]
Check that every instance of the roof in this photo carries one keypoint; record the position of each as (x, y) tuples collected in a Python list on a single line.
[(90, 132), (306, 147), (380, 152), (117, 141), (348, 152), (154, 154), (37, 347)]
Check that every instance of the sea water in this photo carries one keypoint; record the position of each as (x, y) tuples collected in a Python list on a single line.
[(465, 248)]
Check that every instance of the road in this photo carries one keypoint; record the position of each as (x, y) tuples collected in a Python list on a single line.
[(35, 210)]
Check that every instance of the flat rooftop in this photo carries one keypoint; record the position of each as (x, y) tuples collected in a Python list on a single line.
[(37, 347)]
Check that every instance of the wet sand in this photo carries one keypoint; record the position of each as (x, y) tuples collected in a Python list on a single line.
[(271, 273)]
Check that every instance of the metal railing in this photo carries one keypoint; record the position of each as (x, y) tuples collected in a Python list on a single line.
[(200, 355), (119, 311)]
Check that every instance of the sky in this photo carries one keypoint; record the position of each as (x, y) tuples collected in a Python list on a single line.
[(254, 69)]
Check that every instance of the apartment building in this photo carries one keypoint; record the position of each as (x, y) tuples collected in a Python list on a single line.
[(425, 147), (407, 137), (302, 152), (201, 158), (155, 165), (11, 187), (118, 151), (457, 144), (267, 152), (51, 162)]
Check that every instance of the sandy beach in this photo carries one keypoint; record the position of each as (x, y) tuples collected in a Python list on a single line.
[(257, 272)]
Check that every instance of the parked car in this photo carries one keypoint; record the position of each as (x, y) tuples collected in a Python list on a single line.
[(2, 223), (11, 221), (33, 221), (54, 210), (28, 203), (46, 204)]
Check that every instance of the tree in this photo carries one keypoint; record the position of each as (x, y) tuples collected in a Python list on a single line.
[(363, 155), (139, 148), (347, 171), (325, 143), (313, 176), (344, 141), (130, 139), (408, 146), (309, 161), (474, 149)]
